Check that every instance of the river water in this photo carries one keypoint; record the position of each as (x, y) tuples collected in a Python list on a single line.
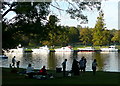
[(107, 61)]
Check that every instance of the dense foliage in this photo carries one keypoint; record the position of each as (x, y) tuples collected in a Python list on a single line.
[(30, 26)]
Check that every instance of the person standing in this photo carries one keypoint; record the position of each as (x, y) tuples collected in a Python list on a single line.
[(84, 61), (75, 67), (18, 64), (94, 65), (64, 67), (13, 61), (81, 63)]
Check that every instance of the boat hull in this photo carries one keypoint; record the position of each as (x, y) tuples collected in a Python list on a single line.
[(40, 50), (64, 49), (3, 57), (108, 50), (87, 49)]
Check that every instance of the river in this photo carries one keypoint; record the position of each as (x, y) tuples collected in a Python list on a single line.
[(107, 61)]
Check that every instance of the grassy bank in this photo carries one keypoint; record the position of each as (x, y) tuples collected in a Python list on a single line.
[(86, 79), (74, 47), (96, 47)]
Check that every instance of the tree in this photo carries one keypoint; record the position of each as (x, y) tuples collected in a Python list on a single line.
[(86, 36), (7, 36), (57, 35), (52, 29), (106, 37), (73, 34), (63, 36), (77, 7), (99, 33), (27, 22), (116, 37), (30, 20)]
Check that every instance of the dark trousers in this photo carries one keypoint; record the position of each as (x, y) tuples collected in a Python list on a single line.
[(30, 75), (64, 70), (94, 70), (84, 69), (13, 64)]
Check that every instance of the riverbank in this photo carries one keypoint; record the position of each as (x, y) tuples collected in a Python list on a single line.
[(97, 48), (86, 79)]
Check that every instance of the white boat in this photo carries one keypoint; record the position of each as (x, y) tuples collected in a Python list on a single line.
[(86, 49), (41, 49), (3, 57), (64, 49), (109, 49), (17, 50)]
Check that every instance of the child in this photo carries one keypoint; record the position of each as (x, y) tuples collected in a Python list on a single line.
[(18, 64)]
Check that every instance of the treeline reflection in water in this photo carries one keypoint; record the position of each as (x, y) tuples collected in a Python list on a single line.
[(107, 61)]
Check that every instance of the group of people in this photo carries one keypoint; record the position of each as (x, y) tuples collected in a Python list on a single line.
[(15, 62), (79, 66), (30, 71)]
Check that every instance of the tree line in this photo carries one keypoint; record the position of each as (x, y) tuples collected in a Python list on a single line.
[(30, 27)]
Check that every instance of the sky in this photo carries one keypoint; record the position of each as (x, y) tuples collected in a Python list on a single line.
[(110, 9)]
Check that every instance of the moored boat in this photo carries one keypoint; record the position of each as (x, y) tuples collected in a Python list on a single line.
[(3, 57), (41, 49), (86, 49), (64, 49), (109, 49)]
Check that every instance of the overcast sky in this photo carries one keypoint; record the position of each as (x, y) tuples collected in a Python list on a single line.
[(110, 9)]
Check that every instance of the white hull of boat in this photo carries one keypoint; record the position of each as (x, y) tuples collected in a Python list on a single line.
[(18, 50), (110, 49), (43, 49), (63, 49), (3, 57), (87, 49), (40, 50)]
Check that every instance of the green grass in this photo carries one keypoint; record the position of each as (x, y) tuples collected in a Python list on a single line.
[(96, 47), (81, 46), (28, 50), (118, 46), (86, 79)]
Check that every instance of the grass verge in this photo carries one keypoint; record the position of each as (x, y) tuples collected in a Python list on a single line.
[(86, 79)]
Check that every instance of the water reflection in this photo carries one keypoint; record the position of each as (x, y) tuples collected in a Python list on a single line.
[(107, 61), (6, 62), (51, 61), (60, 56), (110, 61), (89, 57), (39, 59), (100, 60)]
